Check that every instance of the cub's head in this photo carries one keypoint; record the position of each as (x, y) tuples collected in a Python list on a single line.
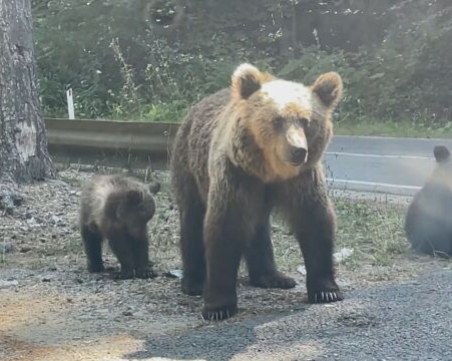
[(287, 123), (135, 206), (442, 174)]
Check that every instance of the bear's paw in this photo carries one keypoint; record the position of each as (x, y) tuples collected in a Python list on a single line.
[(123, 275), (145, 273), (276, 280), (324, 292), (192, 287)]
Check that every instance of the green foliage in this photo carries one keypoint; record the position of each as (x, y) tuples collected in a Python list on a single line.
[(130, 59)]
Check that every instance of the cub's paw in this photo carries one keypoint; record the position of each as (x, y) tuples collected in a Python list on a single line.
[(145, 273), (192, 287), (324, 292), (276, 280), (123, 275), (219, 313), (96, 268)]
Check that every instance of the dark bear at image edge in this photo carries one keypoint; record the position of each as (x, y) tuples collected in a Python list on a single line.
[(118, 208), (239, 154), (428, 223)]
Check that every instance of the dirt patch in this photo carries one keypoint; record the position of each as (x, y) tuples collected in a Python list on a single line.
[(52, 309)]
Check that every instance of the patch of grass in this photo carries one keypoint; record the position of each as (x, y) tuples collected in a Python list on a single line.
[(373, 230), (390, 128), (72, 181)]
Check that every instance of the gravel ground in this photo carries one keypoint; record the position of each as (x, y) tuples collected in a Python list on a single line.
[(409, 321), (52, 309)]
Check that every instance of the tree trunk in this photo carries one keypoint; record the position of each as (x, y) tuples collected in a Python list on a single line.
[(23, 139)]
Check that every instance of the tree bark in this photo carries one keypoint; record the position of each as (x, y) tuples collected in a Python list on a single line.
[(23, 138)]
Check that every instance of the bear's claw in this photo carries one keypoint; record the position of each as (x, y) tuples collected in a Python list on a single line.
[(219, 313), (326, 297)]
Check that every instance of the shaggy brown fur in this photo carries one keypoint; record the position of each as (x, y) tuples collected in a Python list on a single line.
[(240, 153), (118, 208), (428, 224)]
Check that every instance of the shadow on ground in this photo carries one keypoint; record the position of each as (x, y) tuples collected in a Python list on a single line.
[(211, 341)]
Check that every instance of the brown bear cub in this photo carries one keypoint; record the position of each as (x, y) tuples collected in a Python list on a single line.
[(239, 154), (428, 223), (118, 208)]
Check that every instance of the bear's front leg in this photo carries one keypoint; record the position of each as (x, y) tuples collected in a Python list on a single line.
[(313, 220), (223, 252), (120, 245), (229, 224), (143, 266)]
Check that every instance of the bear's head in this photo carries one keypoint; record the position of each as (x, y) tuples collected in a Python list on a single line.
[(442, 174), (134, 207), (281, 127)]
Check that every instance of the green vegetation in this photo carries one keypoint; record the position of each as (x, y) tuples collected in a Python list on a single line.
[(150, 60), (373, 230), (392, 128)]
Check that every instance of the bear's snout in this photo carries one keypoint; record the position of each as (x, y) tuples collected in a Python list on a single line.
[(298, 155), (298, 145)]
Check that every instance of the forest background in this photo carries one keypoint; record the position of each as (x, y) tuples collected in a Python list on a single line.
[(151, 59)]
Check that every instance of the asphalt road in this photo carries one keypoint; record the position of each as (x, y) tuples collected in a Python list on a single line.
[(407, 321), (379, 164)]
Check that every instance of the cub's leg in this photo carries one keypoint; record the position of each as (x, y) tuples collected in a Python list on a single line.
[(140, 249), (261, 262), (121, 247), (312, 217), (92, 242)]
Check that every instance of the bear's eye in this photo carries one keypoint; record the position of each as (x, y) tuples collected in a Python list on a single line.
[(303, 122), (278, 122)]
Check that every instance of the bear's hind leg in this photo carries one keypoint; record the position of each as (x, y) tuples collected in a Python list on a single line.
[(261, 262), (92, 242), (192, 246)]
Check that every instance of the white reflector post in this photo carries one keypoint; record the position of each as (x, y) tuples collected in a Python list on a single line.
[(70, 104)]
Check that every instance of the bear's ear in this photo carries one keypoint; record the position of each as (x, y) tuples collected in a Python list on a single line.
[(328, 88), (134, 196), (154, 187), (441, 153), (246, 80)]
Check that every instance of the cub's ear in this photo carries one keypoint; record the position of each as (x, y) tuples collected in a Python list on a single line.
[(134, 196), (441, 153), (328, 88), (154, 187), (246, 80)]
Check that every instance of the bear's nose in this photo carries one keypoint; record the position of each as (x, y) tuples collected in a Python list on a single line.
[(298, 155)]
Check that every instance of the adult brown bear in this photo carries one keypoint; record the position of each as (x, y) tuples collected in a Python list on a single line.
[(239, 154)]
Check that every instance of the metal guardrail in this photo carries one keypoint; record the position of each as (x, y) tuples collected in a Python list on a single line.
[(72, 138)]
